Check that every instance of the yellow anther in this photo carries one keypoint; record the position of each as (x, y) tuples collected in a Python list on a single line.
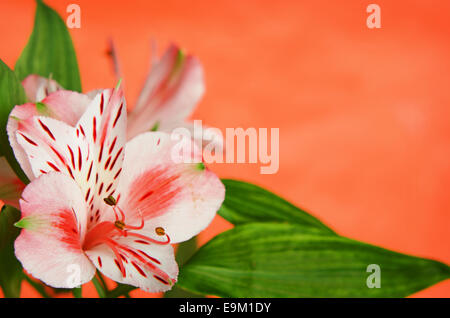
[(160, 231), (120, 225), (110, 201)]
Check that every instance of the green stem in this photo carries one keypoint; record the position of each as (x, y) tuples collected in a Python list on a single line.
[(77, 292), (98, 286), (102, 280)]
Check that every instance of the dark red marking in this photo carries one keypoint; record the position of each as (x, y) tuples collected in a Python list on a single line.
[(109, 187), (99, 260), (72, 158), (117, 174), (100, 155), (118, 115), (58, 154), (142, 242), (145, 196), (94, 129), (100, 189), (80, 159), (90, 170), (70, 172), (87, 194), (149, 257), (101, 104), (161, 280), (138, 269), (112, 145), (47, 130), (82, 131), (115, 159), (107, 162), (28, 139), (53, 166)]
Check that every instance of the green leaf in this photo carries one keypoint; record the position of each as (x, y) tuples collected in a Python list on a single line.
[(248, 203), (11, 94), (282, 260), (11, 273), (102, 293), (77, 292), (50, 51)]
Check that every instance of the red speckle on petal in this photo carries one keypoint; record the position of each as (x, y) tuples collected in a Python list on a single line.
[(53, 166), (101, 104), (118, 115), (138, 269), (82, 131), (28, 140), (161, 280), (46, 129), (94, 129), (72, 158), (111, 148)]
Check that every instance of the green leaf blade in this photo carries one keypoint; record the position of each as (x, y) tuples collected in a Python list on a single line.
[(11, 94), (282, 260), (247, 203), (50, 51), (11, 274)]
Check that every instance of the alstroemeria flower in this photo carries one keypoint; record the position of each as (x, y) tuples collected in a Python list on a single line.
[(98, 202), (171, 91)]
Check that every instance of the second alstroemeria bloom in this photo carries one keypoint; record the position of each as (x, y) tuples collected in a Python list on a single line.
[(99, 202)]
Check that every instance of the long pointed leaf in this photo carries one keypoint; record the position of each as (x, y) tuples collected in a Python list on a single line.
[(246, 203), (50, 51), (282, 260), (11, 94)]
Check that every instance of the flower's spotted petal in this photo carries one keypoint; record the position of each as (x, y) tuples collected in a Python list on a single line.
[(103, 128), (51, 145), (182, 198), (172, 90), (38, 87), (54, 222), (62, 105), (17, 115), (66, 106), (127, 260)]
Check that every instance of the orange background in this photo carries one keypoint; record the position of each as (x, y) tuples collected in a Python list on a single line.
[(363, 114)]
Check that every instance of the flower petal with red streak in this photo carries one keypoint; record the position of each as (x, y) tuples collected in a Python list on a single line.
[(182, 198), (103, 128), (54, 226), (150, 267), (66, 106), (172, 90)]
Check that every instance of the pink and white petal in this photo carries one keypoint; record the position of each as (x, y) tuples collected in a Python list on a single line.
[(103, 128), (66, 106), (18, 114), (150, 267), (52, 145), (38, 87), (10, 186), (172, 90), (54, 226), (182, 198)]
